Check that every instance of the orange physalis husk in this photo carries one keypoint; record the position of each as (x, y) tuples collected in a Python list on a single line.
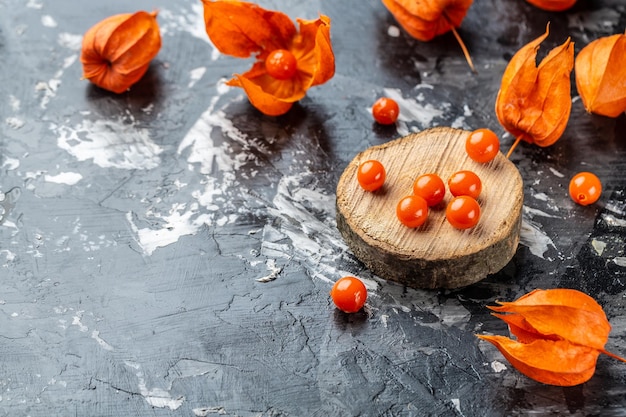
[(117, 51), (242, 29), (534, 102), (427, 19), (553, 5), (560, 334), (600, 75)]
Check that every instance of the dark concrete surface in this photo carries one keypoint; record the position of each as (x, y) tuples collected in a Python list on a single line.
[(169, 251)]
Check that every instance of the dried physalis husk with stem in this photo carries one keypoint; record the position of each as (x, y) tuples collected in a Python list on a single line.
[(289, 59), (560, 334), (534, 102), (116, 52)]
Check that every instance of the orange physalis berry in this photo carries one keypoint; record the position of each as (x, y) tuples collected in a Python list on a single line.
[(430, 187), (371, 175), (585, 188), (465, 183), (482, 145), (281, 64), (116, 52), (385, 111), (349, 294), (463, 212), (412, 211)]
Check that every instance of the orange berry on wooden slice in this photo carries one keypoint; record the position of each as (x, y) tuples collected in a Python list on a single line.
[(412, 211), (465, 183), (463, 212), (436, 254), (371, 175), (431, 188), (482, 145)]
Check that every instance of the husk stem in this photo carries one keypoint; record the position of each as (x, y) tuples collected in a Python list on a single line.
[(468, 58), (512, 148)]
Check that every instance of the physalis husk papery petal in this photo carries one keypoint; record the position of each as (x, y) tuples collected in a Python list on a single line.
[(600, 69), (534, 102)]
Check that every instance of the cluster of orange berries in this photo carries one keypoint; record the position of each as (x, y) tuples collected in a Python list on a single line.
[(584, 188), (429, 190), (349, 293)]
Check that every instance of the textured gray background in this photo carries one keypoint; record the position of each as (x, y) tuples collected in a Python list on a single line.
[(169, 251)]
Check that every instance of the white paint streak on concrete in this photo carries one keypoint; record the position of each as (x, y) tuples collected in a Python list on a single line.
[(611, 220), (620, 261), (10, 164), (175, 224), (14, 123), (70, 41), (532, 212), (96, 336), (598, 246), (393, 31), (205, 411), (15, 103), (498, 366), (109, 144), (10, 256), (556, 173), (205, 156), (156, 397), (195, 75), (67, 178), (48, 21), (273, 269), (77, 321), (535, 239), (190, 21), (34, 4), (456, 403)]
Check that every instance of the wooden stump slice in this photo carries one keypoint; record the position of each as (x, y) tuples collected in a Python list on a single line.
[(434, 255)]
